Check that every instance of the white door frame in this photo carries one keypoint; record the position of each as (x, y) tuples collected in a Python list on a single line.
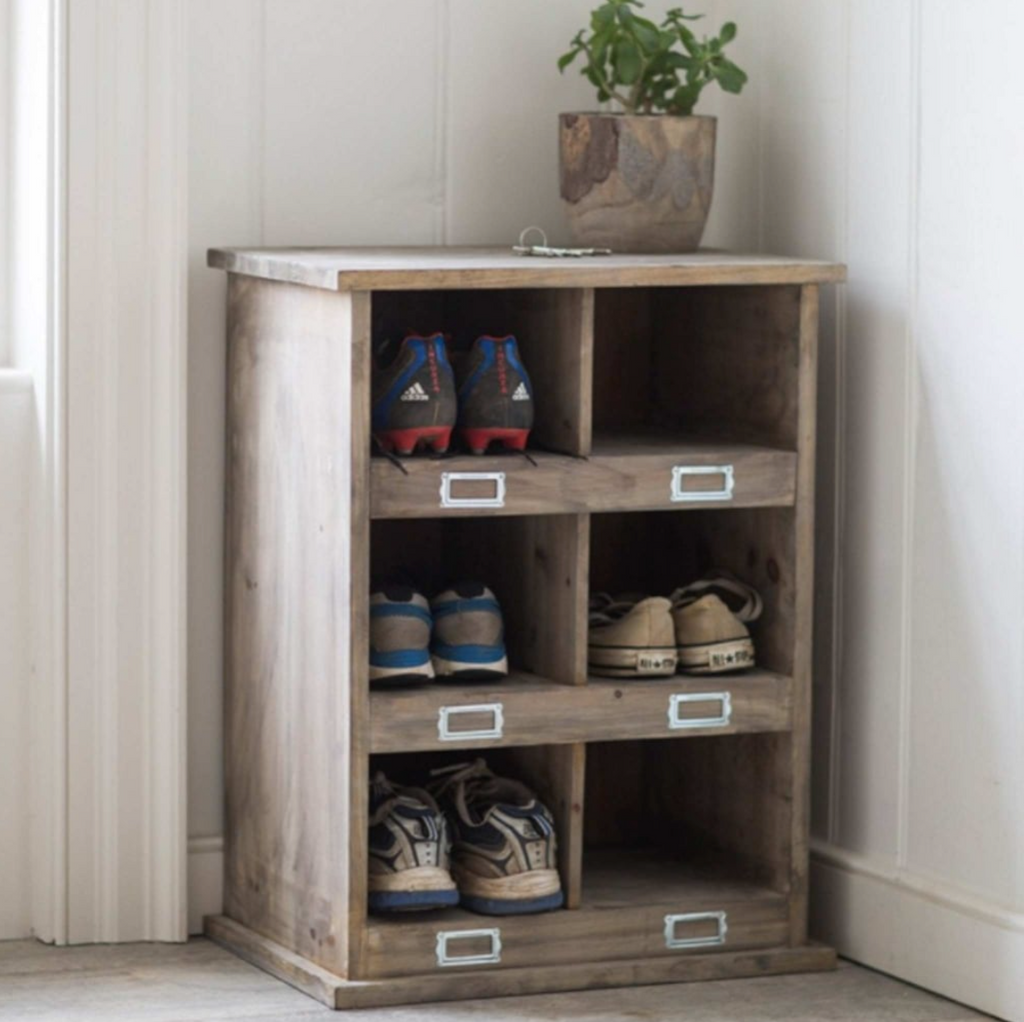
[(109, 719)]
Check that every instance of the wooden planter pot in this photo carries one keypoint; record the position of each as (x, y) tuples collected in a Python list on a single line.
[(637, 183)]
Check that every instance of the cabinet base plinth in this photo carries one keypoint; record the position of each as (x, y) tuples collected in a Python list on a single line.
[(464, 984)]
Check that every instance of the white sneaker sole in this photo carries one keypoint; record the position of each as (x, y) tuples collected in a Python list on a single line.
[(470, 671), (717, 657), (419, 878), (632, 661), (400, 675)]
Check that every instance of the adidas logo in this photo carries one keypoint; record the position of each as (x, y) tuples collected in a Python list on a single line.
[(415, 393), (521, 394)]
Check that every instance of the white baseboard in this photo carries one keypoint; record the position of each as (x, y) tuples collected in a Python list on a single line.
[(205, 880), (972, 950)]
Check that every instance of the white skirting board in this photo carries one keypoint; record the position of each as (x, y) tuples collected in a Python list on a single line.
[(920, 930), (205, 880)]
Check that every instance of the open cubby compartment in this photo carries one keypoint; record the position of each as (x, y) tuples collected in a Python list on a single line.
[(701, 828), (535, 566), (552, 326), (656, 552), (553, 772), (719, 363)]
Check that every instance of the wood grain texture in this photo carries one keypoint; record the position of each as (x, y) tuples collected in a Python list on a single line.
[(536, 711), (389, 269), (692, 375), (407, 947), (803, 625), (355, 753), (713, 362), (466, 985), (625, 472), (288, 604)]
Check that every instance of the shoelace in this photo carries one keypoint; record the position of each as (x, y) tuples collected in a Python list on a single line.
[(449, 776), (380, 786), (606, 609), (743, 600)]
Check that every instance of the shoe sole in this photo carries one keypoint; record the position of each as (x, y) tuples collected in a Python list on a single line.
[(385, 676), (413, 890), (405, 441), (411, 901), (717, 657), (464, 671), (632, 661), (539, 890), (478, 440)]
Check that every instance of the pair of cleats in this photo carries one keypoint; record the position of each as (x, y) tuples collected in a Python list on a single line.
[(700, 629), (468, 837), (416, 401), (460, 634)]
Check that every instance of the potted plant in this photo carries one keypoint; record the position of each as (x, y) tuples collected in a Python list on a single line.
[(640, 180)]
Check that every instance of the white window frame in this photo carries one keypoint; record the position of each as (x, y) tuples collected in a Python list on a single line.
[(5, 156)]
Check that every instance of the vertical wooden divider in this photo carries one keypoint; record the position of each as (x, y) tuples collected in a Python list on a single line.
[(556, 333), (358, 716), (555, 329), (800, 746)]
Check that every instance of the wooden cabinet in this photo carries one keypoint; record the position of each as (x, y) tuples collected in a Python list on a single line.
[(675, 432)]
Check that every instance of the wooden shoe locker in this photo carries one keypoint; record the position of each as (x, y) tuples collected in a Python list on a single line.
[(675, 404)]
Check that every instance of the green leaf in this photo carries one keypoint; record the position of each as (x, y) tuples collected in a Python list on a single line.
[(729, 76), (646, 34), (676, 14), (627, 61), (566, 59), (678, 60), (602, 17), (684, 100), (689, 41), (728, 32)]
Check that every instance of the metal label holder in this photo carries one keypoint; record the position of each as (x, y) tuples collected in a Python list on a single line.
[(680, 496)]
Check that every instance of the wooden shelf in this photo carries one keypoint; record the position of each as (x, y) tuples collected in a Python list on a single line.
[(627, 895), (626, 877), (624, 472), (524, 709), (390, 269)]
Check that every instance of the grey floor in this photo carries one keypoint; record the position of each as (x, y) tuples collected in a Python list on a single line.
[(199, 982)]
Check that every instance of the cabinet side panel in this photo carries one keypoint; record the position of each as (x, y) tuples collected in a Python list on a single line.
[(287, 549), (804, 611)]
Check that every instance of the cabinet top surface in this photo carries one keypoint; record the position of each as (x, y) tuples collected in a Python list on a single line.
[(429, 268)]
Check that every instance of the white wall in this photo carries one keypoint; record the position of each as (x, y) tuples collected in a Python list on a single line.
[(405, 122), (878, 152), (15, 852)]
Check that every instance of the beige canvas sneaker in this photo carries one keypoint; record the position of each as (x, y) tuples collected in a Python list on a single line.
[(710, 618), (631, 637)]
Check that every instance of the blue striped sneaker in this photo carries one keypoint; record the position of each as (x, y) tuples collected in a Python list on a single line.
[(469, 634), (400, 625)]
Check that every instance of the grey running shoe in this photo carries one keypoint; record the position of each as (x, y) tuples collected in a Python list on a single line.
[(469, 633), (409, 850), (400, 625), (504, 848)]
